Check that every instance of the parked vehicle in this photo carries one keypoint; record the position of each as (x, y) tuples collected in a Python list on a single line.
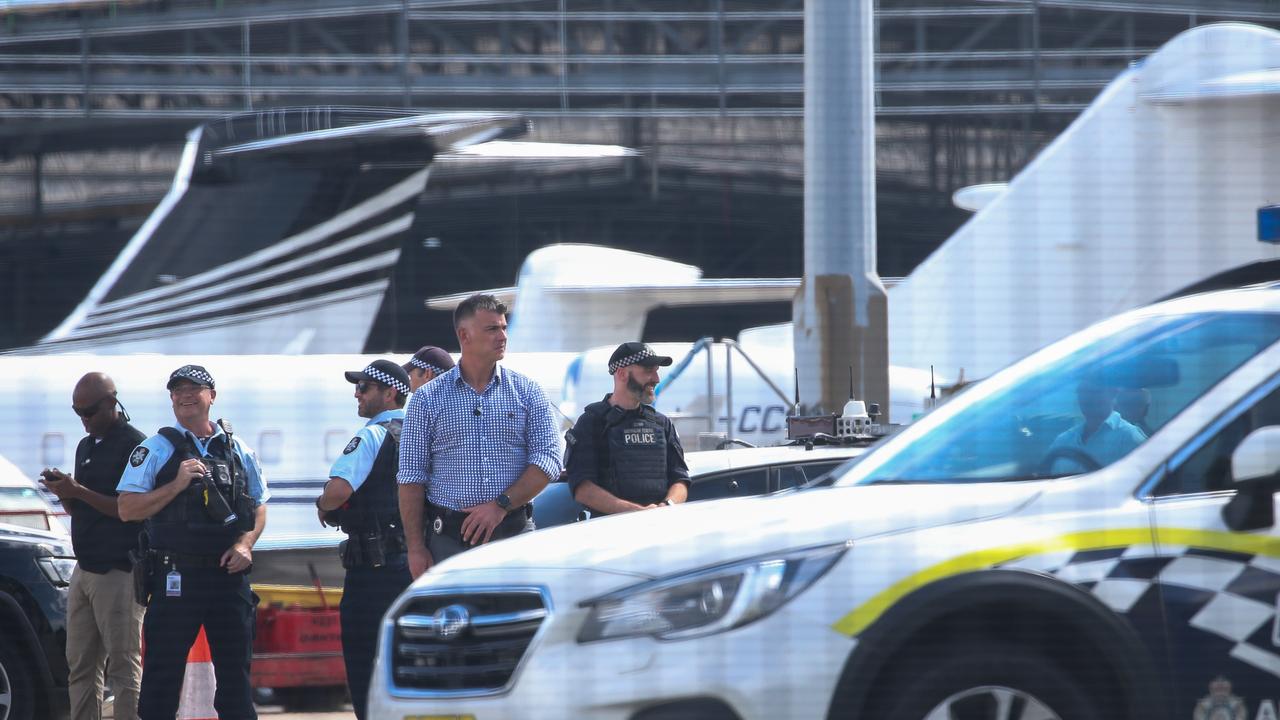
[(1004, 556), (35, 570), (716, 474)]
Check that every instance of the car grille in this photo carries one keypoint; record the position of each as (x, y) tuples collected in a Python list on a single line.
[(463, 643)]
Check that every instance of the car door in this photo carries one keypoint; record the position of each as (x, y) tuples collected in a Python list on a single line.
[(800, 474), (731, 483), (1220, 588)]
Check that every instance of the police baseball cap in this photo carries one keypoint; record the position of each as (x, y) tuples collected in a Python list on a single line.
[(193, 373), (635, 353), (430, 357), (383, 371)]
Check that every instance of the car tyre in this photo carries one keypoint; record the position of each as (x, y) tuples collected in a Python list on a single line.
[(17, 686), (989, 683)]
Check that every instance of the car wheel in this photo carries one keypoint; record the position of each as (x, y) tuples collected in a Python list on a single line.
[(991, 683), (17, 691)]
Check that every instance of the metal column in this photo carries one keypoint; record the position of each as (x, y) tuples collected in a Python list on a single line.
[(841, 314)]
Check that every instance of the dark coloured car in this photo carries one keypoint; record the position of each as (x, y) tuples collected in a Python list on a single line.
[(35, 571), (715, 474)]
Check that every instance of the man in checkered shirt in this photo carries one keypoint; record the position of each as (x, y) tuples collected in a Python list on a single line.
[(479, 442)]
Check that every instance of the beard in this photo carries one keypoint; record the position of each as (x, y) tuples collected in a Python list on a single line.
[(645, 393)]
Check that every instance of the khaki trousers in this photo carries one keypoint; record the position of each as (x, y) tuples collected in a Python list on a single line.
[(104, 627)]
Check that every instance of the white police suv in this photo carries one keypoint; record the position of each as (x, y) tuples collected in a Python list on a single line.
[(1090, 533)]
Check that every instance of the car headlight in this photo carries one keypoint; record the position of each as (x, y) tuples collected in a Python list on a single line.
[(709, 600), (57, 569)]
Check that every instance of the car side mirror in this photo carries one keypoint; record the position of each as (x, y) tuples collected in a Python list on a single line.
[(1255, 475)]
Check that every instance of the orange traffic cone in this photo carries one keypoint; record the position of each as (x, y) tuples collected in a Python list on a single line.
[(198, 684)]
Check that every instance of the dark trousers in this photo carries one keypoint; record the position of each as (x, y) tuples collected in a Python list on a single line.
[(443, 546), (367, 594), (225, 606)]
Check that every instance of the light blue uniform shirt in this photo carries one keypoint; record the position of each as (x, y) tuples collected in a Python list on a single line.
[(356, 460), (1113, 439), (147, 459)]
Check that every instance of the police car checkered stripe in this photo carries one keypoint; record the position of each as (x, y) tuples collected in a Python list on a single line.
[(423, 364), (1225, 586), (631, 359), (386, 379)]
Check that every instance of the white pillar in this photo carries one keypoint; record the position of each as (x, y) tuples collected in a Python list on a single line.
[(841, 313)]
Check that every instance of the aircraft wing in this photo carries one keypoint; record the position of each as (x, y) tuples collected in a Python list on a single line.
[(701, 292), (449, 302)]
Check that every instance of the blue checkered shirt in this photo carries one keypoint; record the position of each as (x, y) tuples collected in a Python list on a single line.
[(469, 447)]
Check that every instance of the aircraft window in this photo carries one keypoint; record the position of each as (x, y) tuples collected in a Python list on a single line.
[(790, 476), (334, 441), (52, 449), (270, 446), (1209, 468), (732, 484), (1065, 417)]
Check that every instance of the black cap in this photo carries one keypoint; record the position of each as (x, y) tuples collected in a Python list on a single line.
[(635, 353), (430, 357), (383, 371), (195, 373)]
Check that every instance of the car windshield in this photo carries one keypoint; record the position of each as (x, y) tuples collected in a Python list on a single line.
[(1080, 412)]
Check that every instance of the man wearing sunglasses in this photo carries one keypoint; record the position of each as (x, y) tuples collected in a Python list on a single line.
[(202, 493), (362, 499), (104, 624)]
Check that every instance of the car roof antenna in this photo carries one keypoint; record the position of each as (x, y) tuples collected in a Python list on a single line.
[(796, 408)]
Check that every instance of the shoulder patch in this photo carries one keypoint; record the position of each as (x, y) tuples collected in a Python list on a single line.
[(351, 446), (138, 456)]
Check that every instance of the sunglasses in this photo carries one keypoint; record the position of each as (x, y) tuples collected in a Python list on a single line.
[(93, 408), (365, 386)]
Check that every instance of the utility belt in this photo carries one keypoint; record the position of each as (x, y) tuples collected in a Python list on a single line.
[(371, 548), (148, 563), (448, 523)]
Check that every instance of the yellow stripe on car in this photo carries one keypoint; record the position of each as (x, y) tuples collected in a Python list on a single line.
[(856, 621)]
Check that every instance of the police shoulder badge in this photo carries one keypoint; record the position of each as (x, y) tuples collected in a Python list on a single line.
[(138, 456), (351, 446)]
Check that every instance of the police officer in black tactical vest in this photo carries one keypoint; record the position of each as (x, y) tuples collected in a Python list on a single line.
[(104, 624), (623, 455), (201, 491), (361, 498)]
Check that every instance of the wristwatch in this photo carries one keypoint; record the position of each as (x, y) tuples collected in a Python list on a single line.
[(504, 502)]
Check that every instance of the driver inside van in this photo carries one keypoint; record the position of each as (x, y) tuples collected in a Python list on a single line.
[(1101, 434)]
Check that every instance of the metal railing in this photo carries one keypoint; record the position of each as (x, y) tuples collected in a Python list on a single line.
[(706, 345)]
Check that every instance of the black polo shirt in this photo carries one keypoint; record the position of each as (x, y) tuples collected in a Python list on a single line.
[(101, 542)]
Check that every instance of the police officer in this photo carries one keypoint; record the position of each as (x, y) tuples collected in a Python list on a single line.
[(202, 493), (426, 364), (362, 499), (104, 624), (622, 454)]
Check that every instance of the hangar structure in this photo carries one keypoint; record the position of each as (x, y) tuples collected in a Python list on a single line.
[(96, 98)]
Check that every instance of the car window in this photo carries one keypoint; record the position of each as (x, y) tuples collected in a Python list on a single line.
[(19, 498), (738, 483), (790, 476), (1066, 417), (1208, 468)]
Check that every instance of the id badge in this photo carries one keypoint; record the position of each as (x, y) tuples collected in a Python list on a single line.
[(173, 584)]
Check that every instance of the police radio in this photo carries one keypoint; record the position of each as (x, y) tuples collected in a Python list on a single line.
[(214, 503)]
